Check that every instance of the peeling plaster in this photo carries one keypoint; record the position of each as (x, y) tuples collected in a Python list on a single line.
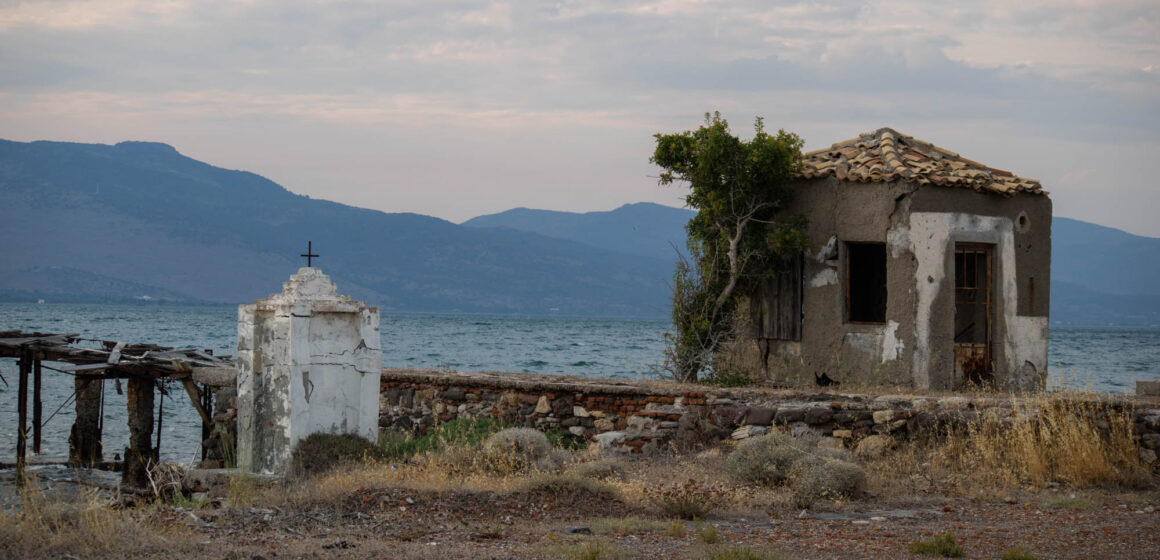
[(891, 344), (826, 277)]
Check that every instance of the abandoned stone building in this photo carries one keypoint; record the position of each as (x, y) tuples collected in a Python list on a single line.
[(924, 269)]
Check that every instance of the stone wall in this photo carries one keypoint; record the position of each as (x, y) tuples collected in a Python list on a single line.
[(641, 417)]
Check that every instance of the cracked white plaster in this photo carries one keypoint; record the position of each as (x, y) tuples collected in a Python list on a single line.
[(826, 277), (309, 361)]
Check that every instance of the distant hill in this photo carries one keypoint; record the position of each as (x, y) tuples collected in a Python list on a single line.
[(139, 221), (112, 223), (644, 229), (1100, 275)]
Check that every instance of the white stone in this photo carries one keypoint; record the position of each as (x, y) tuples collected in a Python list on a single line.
[(608, 439), (577, 431), (543, 406), (749, 431), (883, 416), (309, 361), (596, 413), (580, 412)]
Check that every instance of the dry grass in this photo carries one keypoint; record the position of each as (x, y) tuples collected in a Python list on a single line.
[(1076, 439), (85, 527)]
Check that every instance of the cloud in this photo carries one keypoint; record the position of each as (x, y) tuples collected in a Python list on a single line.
[(586, 75)]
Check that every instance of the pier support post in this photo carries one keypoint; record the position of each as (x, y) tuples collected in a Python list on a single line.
[(140, 451), (36, 409), (85, 440), (22, 411)]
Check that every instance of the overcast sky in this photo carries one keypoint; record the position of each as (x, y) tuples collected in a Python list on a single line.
[(456, 109)]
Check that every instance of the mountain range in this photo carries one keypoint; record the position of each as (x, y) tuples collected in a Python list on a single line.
[(138, 220)]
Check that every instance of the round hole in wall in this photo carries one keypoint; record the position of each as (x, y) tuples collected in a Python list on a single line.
[(1022, 223)]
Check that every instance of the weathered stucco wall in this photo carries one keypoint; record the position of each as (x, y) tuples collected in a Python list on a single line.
[(308, 362), (919, 227)]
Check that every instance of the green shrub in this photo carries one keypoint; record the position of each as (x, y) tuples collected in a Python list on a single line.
[(943, 545), (319, 453), (562, 439), (516, 450), (765, 460), (1018, 553), (740, 553), (814, 477), (458, 432), (708, 534)]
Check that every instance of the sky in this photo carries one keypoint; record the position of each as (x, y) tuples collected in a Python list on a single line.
[(459, 108)]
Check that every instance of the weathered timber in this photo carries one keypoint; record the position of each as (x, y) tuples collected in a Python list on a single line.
[(85, 440), (139, 454), (22, 412), (36, 406)]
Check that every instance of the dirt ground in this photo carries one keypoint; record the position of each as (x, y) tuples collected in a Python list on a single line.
[(1095, 527)]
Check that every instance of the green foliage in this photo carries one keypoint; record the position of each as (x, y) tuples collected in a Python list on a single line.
[(740, 553), (738, 237), (1018, 553), (458, 432), (562, 439), (707, 533), (765, 460), (319, 453), (943, 545)]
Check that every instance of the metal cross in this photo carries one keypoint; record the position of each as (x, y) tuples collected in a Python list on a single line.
[(309, 254)]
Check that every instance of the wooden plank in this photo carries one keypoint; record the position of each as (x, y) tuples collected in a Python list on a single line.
[(195, 398), (22, 407), (36, 406)]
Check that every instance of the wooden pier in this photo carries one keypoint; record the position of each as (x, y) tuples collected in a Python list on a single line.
[(145, 367)]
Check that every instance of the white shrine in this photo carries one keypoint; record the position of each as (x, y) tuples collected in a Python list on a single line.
[(309, 361)]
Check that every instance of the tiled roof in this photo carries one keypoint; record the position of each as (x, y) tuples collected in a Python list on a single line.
[(885, 155)]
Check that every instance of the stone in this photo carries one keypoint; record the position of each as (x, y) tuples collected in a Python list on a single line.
[(818, 415), (577, 431), (570, 421), (953, 403), (1150, 441), (883, 416), (596, 414), (562, 407), (749, 431), (873, 447), (843, 434), (728, 416), (609, 439), (453, 394), (758, 416), (543, 406), (580, 412), (604, 425), (1147, 456), (788, 415)]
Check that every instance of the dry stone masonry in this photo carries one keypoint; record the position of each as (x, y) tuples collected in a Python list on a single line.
[(633, 418)]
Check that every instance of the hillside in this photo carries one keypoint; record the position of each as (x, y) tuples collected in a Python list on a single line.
[(100, 222)]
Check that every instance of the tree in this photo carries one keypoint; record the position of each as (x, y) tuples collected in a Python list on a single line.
[(738, 237)]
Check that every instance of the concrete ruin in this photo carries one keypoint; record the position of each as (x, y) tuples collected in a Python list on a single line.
[(309, 361), (924, 269)]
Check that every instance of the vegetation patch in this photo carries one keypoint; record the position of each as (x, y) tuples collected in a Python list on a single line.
[(815, 477), (691, 499), (765, 460), (516, 450), (943, 546), (319, 453)]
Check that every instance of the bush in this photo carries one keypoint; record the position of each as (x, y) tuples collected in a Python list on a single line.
[(606, 469), (458, 432), (1017, 553), (568, 441), (765, 460), (319, 453), (943, 545), (517, 449), (815, 477), (740, 553), (690, 500)]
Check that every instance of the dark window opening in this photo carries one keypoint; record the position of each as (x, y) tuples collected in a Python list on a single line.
[(866, 282)]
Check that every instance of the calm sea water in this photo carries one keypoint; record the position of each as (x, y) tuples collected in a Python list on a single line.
[(1102, 359)]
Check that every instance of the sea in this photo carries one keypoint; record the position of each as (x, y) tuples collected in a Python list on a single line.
[(1101, 359)]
